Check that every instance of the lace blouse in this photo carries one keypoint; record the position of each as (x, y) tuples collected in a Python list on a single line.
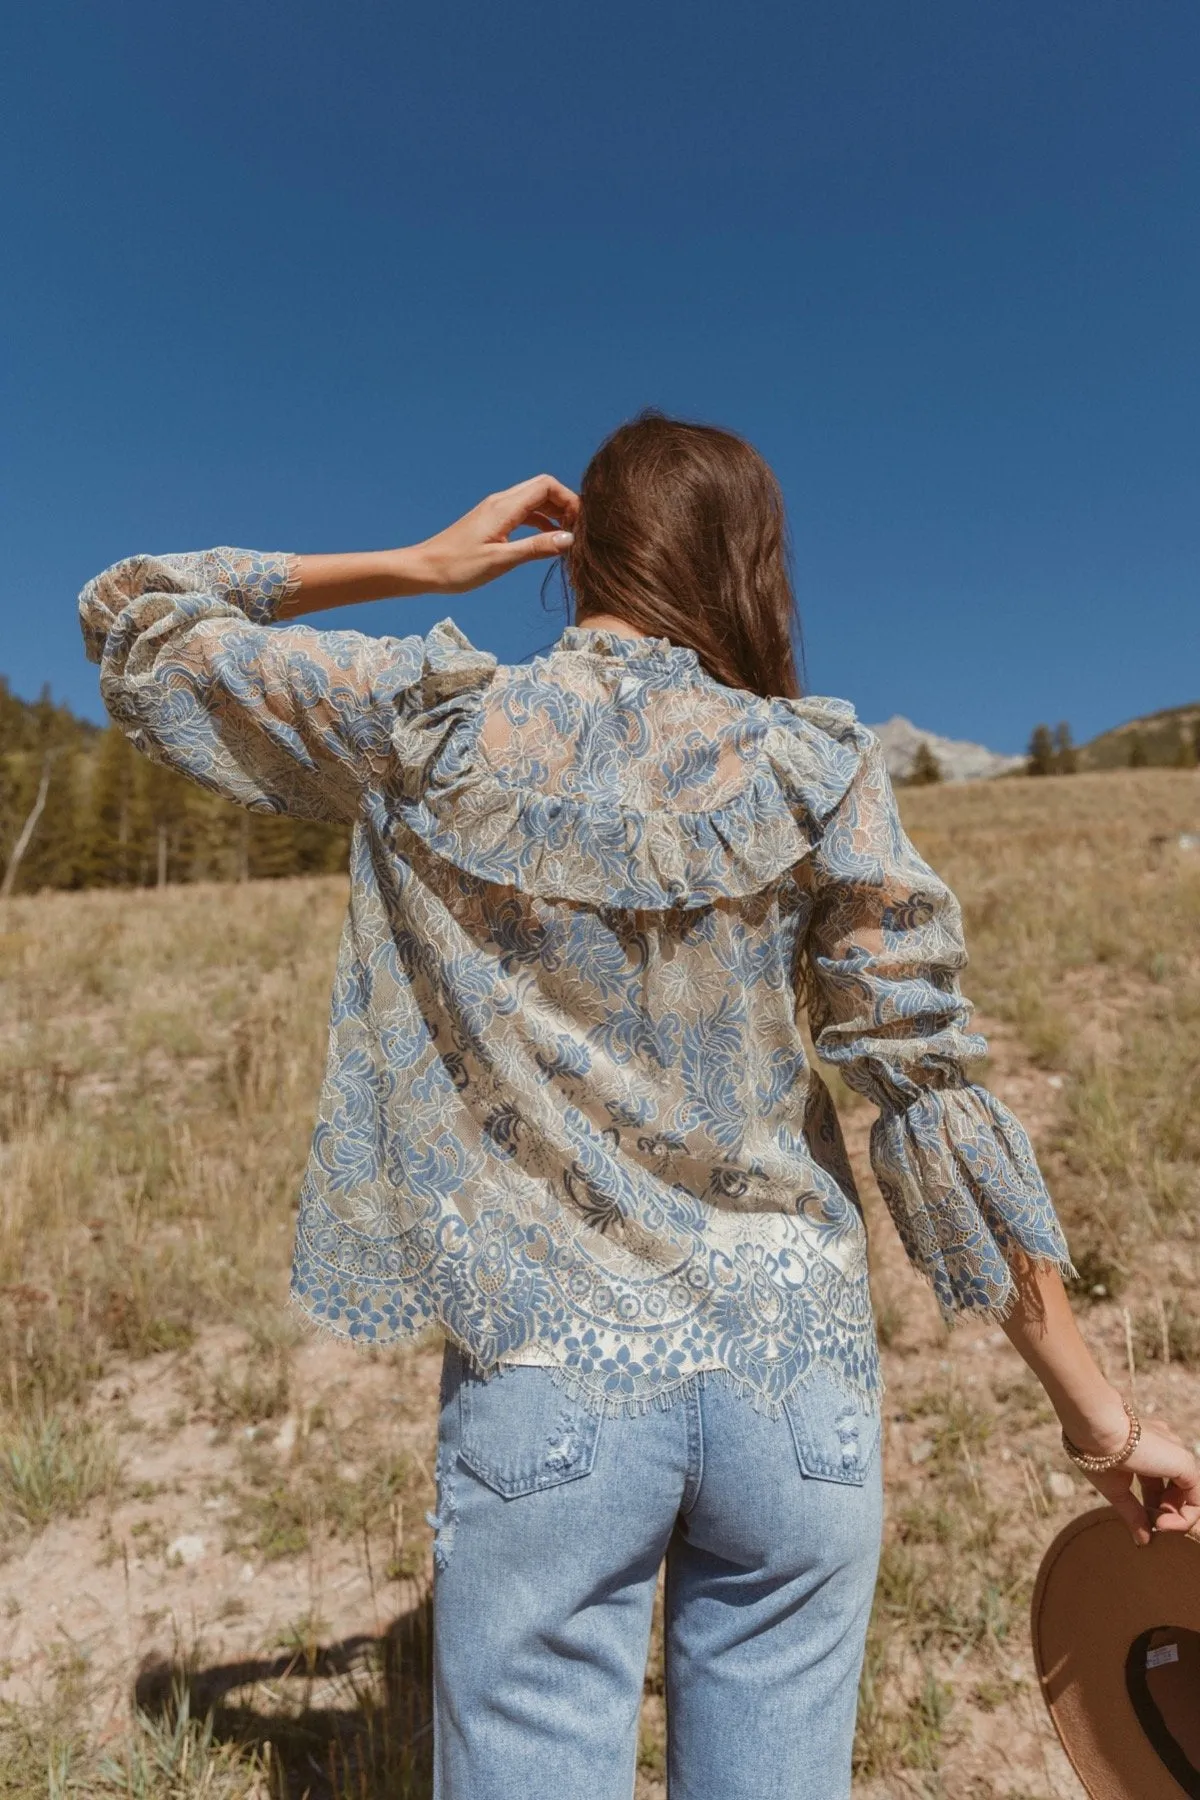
[(567, 1114)]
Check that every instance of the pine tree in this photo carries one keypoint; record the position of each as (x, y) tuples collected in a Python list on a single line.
[(926, 768), (1043, 757), (162, 812), (1138, 755), (108, 855), (20, 845), (39, 740), (272, 846), (111, 817), (53, 857), (1187, 749), (1066, 757)]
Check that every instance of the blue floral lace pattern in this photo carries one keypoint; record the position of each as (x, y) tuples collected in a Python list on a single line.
[(567, 1114)]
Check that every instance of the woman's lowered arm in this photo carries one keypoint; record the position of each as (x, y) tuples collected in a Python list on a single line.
[(885, 950), (1042, 1328)]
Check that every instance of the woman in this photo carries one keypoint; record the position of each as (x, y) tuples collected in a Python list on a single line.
[(567, 1114)]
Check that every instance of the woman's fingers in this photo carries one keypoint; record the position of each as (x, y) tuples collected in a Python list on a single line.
[(541, 494), (533, 549), (1175, 1513), (1169, 1476), (1178, 1503), (542, 501), (1123, 1500), (479, 546)]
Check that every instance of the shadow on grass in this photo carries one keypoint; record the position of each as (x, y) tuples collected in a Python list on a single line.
[(351, 1720)]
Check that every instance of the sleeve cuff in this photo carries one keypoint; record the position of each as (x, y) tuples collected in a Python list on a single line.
[(962, 1183), (255, 581)]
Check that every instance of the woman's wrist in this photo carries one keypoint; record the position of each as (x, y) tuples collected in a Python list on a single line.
[(348, 578), (424, 568), (1097, 1422)]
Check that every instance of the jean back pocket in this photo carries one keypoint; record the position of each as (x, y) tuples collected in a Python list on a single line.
[(836, 1438), (521, 1433)]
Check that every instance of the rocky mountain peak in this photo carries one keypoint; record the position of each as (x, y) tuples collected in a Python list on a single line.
[(957, 759)]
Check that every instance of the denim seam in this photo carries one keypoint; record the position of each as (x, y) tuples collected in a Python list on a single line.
[(695, 1447), (620, 1405)]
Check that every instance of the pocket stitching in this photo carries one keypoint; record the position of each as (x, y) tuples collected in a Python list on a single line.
[(819, 1467), (548, 1475)]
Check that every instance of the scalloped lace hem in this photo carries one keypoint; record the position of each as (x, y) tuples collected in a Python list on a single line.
[(599, 1398)]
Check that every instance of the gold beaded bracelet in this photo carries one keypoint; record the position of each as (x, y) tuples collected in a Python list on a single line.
[(1099, 1465)]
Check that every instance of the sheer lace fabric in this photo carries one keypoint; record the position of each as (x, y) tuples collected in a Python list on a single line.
[(567, 1113)]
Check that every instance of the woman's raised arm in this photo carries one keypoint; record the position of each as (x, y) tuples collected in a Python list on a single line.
[(199, 672), (469, 553)]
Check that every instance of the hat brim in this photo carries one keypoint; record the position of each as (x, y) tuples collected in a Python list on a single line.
[(1097, 1591)]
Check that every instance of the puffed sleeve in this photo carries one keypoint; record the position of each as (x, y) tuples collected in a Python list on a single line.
[(279, 717), (883, 954)]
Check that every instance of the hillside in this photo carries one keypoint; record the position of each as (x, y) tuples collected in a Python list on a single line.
[(192, 1492), (1160, 733)]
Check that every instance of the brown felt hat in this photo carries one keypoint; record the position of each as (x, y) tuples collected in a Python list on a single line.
[(1116, 1640)]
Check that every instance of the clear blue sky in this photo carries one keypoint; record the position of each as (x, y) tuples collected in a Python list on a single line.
[(315, 276)]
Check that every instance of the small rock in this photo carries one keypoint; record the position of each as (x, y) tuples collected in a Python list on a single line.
[(285, 1437), (1060, 1485), (247, 1574), (1054, 1081), (347, 1472), (921, 1451), (250, 1433), (186, 1550)]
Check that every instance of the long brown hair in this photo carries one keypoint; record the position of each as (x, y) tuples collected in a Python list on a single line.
[(682, 534)]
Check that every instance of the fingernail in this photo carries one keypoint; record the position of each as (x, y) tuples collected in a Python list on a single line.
[(564, 538)]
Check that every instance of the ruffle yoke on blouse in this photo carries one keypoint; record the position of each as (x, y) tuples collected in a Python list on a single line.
[(565, 803)]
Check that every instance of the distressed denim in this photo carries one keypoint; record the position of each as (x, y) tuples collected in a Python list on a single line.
[(553, 1521)]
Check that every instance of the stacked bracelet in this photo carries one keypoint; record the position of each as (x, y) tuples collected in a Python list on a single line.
[(1098, 1465)]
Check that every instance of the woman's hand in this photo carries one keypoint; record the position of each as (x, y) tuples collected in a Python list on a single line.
[(1042, 1327), (478, 547), (475, 549), (1169, 1477)]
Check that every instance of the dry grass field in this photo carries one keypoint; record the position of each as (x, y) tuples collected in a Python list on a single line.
[(213, 1554)]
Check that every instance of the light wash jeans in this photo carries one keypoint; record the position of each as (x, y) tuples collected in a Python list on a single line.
[(552, 1524)]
